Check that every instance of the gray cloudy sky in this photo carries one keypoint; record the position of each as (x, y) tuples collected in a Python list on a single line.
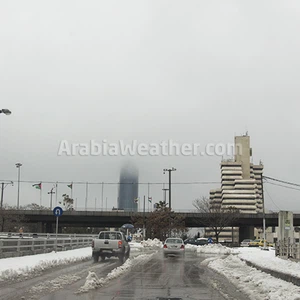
[(192, 71)]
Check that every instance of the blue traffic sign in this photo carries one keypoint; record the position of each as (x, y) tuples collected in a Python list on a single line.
[(57, 211)]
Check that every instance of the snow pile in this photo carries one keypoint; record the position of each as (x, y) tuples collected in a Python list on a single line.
[(254, 283), (24, 266), (93, 282), (209, 249), (135, 246), (214, 249), (268, 260), (154, 244)]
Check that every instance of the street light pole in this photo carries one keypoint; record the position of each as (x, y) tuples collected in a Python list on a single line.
[(18, 165), (51, 193), (169, 170)]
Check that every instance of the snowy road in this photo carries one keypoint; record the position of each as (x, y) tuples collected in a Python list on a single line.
[(146, 279)]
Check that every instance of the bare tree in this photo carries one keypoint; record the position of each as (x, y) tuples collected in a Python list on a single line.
[(162, 222), (215, 216)]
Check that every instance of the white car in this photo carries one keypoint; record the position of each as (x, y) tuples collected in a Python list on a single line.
[(173, 247), (245, 243)]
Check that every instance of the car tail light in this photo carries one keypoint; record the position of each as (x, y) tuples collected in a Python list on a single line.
[(165, 246), (120, 244), (93, 243), (182, 247)]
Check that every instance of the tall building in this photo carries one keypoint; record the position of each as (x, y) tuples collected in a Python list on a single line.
[(241, 181), (241, 184), (128, 188)]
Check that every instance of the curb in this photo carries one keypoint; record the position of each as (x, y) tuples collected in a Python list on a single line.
[(277, 274)]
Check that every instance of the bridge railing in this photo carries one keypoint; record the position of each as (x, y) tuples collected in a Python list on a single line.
[(12, 247), (44, 235)]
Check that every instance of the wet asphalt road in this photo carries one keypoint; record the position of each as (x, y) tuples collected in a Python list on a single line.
[(171, 278)]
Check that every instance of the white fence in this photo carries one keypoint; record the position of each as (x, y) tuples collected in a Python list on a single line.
[(11, 247), (287, 249)]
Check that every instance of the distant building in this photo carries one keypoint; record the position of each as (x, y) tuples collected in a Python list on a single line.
[(241, 181), (128, 188), (241, 185)]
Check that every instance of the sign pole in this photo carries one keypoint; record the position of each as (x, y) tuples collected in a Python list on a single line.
[(57, 211), (56, 234)]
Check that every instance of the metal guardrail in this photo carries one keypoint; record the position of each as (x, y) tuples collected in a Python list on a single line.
[(44, 235), (287, 249), (12, 247)]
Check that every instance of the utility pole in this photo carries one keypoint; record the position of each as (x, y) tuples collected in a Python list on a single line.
[(169, 170), (2, 190), (264, 214), (18, 166), (144, 225), (51, 193), (3, 186)]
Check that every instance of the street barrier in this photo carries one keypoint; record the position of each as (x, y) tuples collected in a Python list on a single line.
[(13, 247)]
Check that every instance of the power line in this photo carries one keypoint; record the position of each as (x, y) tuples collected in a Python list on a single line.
[(100, 183), (272, 199), (282, 181), (287, 187)]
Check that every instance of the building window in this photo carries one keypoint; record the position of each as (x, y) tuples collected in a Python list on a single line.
[(275, 240), (273, 229), (297, 240)]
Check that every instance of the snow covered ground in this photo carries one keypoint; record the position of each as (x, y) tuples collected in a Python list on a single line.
[(13, 267), (209, 249), (251, 281), (268, 260), (92, 280), (24, 266)]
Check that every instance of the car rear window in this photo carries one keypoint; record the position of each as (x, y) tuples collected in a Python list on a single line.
[(173, 241), (110, 236)]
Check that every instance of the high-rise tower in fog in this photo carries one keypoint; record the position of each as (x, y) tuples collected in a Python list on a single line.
[(128, 188)]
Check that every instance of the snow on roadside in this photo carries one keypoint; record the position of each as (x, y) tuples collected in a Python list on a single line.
[(155, 243), (93, 282), (268, 260), (135, 246), (254, 283), (25, 266), (209, 249)]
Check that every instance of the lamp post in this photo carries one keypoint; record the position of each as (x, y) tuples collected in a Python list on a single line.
[(51, 193), (169, 170), (18, 166)]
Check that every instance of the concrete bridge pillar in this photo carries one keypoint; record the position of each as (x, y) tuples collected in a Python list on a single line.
[(246, 232)]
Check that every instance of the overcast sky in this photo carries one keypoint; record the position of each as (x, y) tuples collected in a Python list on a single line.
[(192, 71)]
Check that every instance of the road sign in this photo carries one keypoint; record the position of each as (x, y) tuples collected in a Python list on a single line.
[(57, 211)]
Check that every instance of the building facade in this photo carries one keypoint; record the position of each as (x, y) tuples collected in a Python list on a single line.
[(241, 183), (128, 188)]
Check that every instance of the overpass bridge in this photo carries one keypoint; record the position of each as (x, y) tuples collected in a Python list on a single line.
[(116, 219)]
